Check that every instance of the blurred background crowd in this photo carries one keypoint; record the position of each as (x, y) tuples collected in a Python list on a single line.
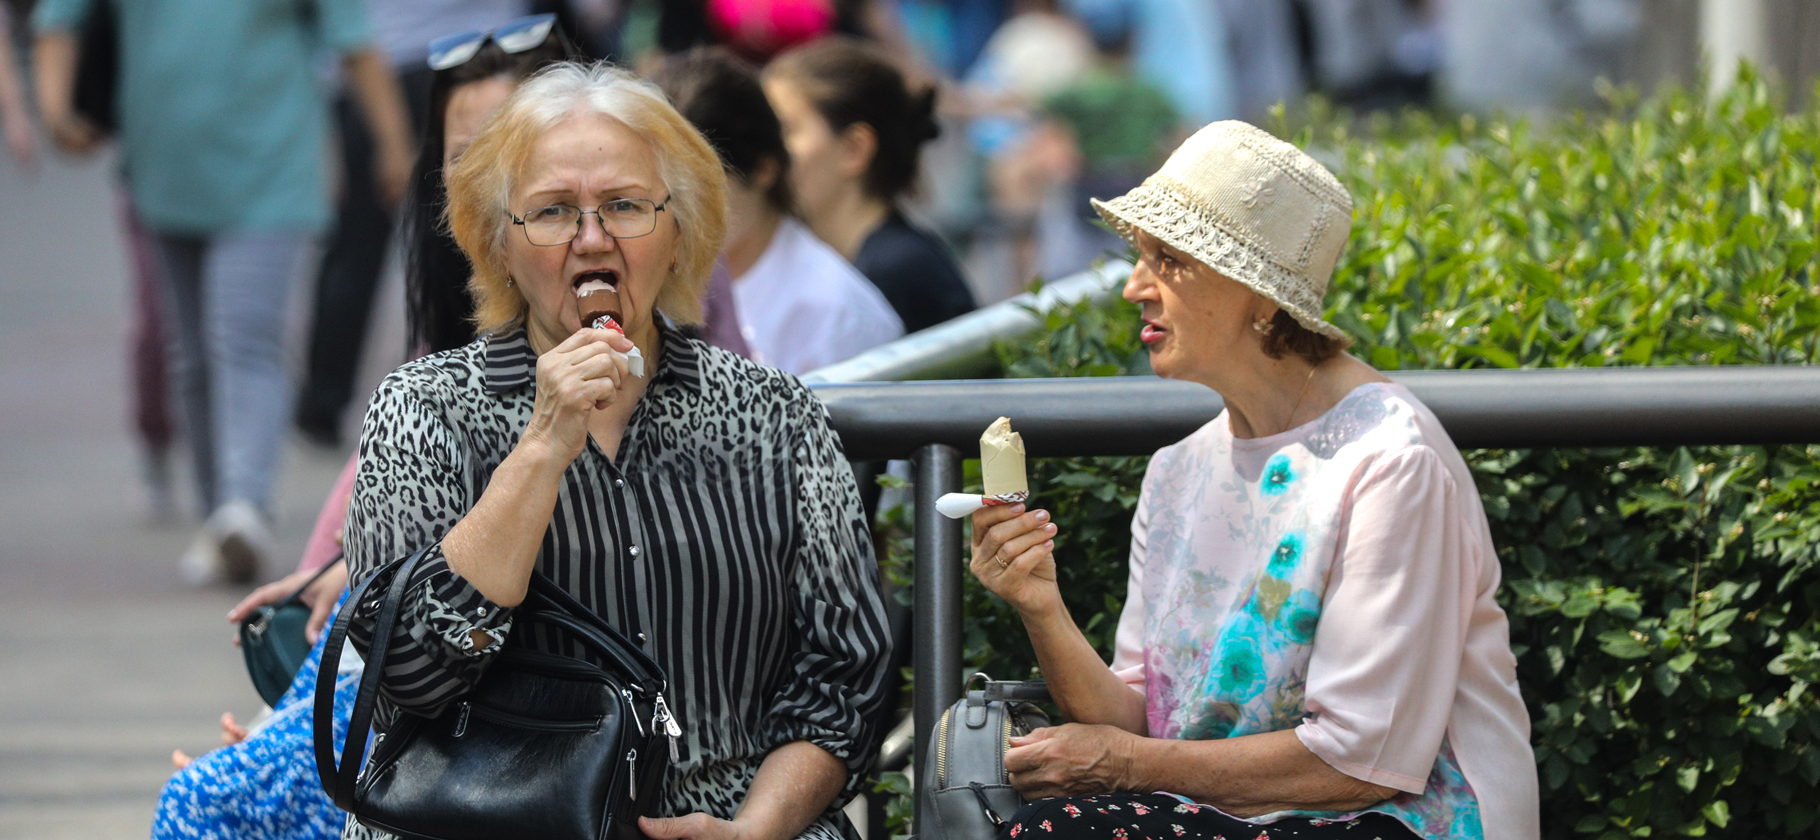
[(262, 149)]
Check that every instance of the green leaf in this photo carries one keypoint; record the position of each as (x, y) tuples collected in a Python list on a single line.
[(1621, 644), (1718, 812)]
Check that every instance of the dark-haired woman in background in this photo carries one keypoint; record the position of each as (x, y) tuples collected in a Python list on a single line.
[(854, 130), (801, 304)]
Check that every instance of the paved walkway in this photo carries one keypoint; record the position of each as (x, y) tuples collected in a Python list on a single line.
[(110, 661)]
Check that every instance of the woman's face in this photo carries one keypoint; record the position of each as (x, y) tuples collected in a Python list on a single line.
[(585, 160), (1196, 320), (468, 108), (822, 162)]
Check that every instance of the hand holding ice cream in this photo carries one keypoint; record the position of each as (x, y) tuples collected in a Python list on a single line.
[(1013, 549)]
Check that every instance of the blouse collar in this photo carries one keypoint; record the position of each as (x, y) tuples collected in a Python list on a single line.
[(511, 363)]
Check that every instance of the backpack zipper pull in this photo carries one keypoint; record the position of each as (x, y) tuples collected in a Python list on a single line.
[(632, 772), (670, 727)]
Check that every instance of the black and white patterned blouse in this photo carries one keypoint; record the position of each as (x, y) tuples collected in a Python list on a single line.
[(728, 531)]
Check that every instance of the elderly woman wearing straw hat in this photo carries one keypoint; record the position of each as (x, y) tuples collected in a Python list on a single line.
[(1310, 645)]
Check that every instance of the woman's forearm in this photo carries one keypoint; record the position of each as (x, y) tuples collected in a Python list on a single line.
[(495, 545), (1085, 689), (794, 785), (1249, 775)]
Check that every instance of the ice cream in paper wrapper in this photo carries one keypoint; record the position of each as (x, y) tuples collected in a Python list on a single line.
[(1001, 470)]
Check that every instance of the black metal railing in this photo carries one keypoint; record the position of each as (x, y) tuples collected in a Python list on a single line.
[(938, 423)]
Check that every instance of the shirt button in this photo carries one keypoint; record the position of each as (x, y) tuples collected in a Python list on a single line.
[(482, 612), (619, 482), (634, 551)]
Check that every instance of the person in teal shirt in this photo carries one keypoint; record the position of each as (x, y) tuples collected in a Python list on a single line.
[(223, 136)]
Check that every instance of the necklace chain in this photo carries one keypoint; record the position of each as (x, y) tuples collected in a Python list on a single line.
[(1298, 399)]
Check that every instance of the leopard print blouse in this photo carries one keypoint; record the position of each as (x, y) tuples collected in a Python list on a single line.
[(727, 534)]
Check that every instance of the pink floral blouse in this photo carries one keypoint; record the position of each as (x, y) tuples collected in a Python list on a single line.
[(1335, 579)]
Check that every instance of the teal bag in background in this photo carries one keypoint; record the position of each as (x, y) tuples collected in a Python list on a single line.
[(274, 643)]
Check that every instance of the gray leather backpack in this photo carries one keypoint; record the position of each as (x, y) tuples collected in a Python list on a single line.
[(963, 793)]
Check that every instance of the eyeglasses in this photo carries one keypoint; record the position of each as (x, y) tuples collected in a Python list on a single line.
[(621, 218), (513, 37)]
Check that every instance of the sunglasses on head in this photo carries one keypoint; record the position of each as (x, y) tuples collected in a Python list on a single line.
[(513, 37)]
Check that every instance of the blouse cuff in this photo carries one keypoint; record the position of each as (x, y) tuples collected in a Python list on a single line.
[(1323, 747), (453, 610)]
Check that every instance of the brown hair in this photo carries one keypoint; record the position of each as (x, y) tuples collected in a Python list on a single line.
[(850, 82), (1287, 335), (480, 183), (719, 94)]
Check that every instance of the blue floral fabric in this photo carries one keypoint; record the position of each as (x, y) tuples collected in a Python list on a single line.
[(266, 787)]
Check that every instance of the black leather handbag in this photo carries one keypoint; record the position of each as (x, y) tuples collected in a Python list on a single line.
[(545, 746), (965, 794), (274, 642)]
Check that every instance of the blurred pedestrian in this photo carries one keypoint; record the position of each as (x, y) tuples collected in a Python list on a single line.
[(263, 785), (356, 248), (1119, 124), (224, 130), (854, 131), (801, 304), (15, 121)]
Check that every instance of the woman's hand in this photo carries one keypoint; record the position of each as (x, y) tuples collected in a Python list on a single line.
[(577, 377), (1070, 760), (1014, 556), (319, 597), (696, 826)]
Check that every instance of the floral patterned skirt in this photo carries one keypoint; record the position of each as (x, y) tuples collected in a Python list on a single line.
[(1160, 816), (265, 787)]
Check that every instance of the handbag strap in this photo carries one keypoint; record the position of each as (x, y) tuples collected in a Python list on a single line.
[(338, 781), (606, 639)]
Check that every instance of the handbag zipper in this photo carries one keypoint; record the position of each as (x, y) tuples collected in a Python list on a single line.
[(1004, 742), (941, 749), (518, 721), (632, 772), (672, 729), (632, 711)]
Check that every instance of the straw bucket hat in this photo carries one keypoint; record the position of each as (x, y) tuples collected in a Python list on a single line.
[(1251, 207)]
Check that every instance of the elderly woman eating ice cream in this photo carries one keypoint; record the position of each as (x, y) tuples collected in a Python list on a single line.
[(695, 500), (1309, 646)]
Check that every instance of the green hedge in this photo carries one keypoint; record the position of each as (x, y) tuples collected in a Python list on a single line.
[(1662, 602)]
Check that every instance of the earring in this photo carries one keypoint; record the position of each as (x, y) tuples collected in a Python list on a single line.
[(672, 267), (510, 282), (1263, 326)]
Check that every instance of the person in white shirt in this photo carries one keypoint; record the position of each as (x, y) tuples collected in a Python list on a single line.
[(801, 304)]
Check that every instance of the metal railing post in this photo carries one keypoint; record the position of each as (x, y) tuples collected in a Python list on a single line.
[(938, 593)]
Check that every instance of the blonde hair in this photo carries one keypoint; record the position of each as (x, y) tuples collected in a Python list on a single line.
[(480, 183)]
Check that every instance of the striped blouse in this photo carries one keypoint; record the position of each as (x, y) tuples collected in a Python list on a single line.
[(728, 534)]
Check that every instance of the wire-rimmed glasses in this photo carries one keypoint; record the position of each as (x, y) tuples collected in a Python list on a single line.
[(620, 218)]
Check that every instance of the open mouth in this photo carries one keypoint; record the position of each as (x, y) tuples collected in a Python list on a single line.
[(1151, 333), (597, 295)]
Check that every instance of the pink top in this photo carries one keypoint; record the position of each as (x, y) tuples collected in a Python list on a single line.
[(322, 546), (1336, 579)]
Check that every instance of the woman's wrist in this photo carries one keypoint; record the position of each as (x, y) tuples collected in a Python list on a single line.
[(538, 456)]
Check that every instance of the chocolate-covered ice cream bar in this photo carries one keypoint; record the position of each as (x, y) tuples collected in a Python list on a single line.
[(595, 298)]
